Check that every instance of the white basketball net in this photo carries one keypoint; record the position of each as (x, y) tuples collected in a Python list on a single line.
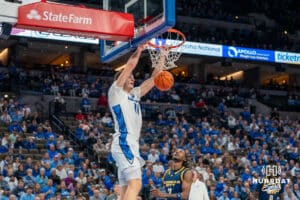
[(165, 57)]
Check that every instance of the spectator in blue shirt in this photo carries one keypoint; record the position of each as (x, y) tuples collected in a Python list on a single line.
[(79, 133), (42, 179), (246, 114), (50, 141), (157, 180), (32, 127), (107, 181), (39, 134), (68, 158), (160, 121), (30, 144), (255, 167), (221, 107), (19, 144), (49, 190), (19, 190), (28, 195), (56, 160), (52, 151), (48, 134), (246, 175), (163, 157), (151, 129), (64, 191), (147, 175), (85, 103), (224, 196), (29, 178), (15, 126), (206, 149), (3, 149)]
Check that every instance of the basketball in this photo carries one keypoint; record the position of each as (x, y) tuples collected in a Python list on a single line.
[(164, 81)]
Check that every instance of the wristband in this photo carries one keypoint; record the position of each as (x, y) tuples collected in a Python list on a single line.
[(178, 195)]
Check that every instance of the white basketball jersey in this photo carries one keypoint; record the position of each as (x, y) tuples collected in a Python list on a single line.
[(127, 116)]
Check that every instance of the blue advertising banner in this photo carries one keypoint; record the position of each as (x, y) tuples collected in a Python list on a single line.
[(248, 53)]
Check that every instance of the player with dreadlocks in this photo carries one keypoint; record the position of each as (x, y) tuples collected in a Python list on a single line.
[(177, 179)]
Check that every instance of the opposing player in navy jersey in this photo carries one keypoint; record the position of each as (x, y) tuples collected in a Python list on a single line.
[(177, 179), (124, 98)]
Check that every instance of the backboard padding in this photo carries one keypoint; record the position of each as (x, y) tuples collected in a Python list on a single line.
[(146, 28)]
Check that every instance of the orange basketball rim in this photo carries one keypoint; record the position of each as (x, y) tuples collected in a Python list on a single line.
[(172, 34)]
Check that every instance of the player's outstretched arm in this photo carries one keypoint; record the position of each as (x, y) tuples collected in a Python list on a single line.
[(186, 184), (148, 84), (130, 66)]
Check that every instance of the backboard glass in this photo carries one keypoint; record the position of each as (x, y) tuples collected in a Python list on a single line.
[(151, 18)]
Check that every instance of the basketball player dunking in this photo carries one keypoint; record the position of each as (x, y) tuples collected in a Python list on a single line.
[(177, 180), (123, 100)]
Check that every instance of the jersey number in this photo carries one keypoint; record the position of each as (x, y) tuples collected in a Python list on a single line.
[(271, 197), (170, 190)]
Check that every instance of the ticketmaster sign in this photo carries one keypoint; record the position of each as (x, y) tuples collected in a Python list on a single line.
[(287, 57)]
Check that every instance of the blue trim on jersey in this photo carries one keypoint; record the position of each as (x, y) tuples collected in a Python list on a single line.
[(123, 133)]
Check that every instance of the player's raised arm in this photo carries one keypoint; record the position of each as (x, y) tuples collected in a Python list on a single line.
[(148, 84), (186, 184), (130, 66)]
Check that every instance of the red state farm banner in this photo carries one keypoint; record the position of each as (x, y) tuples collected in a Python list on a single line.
[(68, 19)]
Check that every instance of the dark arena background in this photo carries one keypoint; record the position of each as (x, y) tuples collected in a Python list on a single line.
[(234, 107)]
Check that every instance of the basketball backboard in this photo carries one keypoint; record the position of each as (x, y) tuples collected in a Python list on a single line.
[(151, 18)]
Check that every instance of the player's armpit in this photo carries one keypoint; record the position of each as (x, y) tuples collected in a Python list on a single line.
[(186, 184)]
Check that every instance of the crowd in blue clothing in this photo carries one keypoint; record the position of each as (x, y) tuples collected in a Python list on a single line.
[(187, 90), (226, 154), (61, 173), (223, 148), (228, 151), (90, 86), (67, 83)]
